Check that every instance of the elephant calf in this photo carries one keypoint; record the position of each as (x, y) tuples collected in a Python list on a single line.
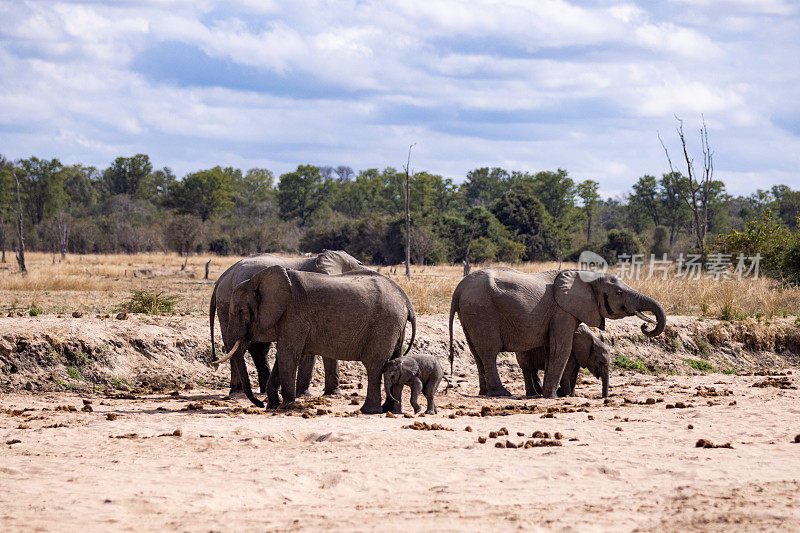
[(587, 352), (420, 372)]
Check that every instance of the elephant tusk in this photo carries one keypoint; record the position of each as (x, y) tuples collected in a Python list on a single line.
[(230, 354), (645, 317)]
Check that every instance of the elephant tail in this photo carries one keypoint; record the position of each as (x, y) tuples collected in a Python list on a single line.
[(412, 317), (453, 308), (212, 310)]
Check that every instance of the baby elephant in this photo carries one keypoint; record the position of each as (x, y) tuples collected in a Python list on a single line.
[(587, 352), (420, 372)]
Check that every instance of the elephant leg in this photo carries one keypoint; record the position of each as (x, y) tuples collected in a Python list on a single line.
[(305, 371), (331, 367), (238, 366), (528, 372), (285, 360), (372, 403), (273, 383), (485, 347), (429, 391), (537, 383), (561, 332), (481, 372), (259, 352), (416, 388)]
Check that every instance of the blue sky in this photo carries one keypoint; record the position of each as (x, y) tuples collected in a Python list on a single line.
[(523, 85)]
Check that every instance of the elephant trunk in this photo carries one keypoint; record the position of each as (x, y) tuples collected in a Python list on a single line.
[(388, 388), (645, 303), (604, 377)]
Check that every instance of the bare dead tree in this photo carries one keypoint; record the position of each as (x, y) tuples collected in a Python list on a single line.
[(694, 190), (208, 266), (2, 235), (63, 223), (408, 214), (21, 239)]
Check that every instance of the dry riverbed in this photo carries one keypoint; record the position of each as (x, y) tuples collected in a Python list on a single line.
[(152, 454)]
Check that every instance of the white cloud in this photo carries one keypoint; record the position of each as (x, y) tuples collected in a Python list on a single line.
[(527, 85)]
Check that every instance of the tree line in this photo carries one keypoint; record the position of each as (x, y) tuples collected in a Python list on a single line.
[(493, 215)]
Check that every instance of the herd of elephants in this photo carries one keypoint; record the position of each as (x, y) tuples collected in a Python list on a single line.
[(331, 305)]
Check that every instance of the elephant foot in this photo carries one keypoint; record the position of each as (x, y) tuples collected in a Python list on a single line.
[(431, 412), (371, 409), (334, 392), (304, 394), (236, 393), (498, 392)]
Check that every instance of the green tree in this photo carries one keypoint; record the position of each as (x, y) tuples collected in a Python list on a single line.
[(7, 188), (787, 205), (587, 192), (644, 202), (526, 217), (485, 185), (42, 184), (677, 214), (206, 192), (301, 193), (129, 175)]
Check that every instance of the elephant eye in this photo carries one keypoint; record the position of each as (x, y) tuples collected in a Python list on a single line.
[(619, 292)]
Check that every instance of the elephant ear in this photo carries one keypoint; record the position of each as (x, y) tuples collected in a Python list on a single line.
[(273, 291), (411, 366), (327, 262), (575, 294)]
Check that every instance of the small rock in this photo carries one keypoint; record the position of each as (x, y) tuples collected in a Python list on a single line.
[(87, 408), (499, 444), (111, 416), (77, 314), (122, 316), (28, 385), (558, 436), (390, 415), (590, 417), (482, 440), (690, 426), (797, 438), (468, 428), (617, 429), (87, 402), (354, 401), (13, 441), (503, 431), (493, 434), (510, 444), (650, 401), (520, 434)]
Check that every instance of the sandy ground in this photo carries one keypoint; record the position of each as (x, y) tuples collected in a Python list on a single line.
[(622, 466)]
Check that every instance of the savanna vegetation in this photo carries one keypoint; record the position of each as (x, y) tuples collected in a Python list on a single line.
[(495, 215)]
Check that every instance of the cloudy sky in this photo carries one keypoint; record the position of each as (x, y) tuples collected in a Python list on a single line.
[(580, 85)]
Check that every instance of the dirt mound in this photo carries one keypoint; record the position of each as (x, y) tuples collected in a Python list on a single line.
[(51, 353)]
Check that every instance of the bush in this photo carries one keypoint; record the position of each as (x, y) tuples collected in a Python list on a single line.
[(619, 242), (763, 235), (791, 263), (483, 250), (660, 242), (150, 303)]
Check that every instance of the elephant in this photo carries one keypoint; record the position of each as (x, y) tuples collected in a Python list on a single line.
[(357, 316), (502, 309), (422, 373), (588, 351), (327, 262)]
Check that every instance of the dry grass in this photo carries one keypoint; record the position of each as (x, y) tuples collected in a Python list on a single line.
[(100, 283)]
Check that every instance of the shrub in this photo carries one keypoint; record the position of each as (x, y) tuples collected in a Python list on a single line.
[(619, 242), (763, 235), (623, 361), (701, 366), (150, 303)]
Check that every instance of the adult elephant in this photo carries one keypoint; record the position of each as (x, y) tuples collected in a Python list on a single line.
[(356, 316), (327, 262), (502, 309)]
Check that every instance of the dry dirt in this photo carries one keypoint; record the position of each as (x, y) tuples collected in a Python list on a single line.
[(160, 445)]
